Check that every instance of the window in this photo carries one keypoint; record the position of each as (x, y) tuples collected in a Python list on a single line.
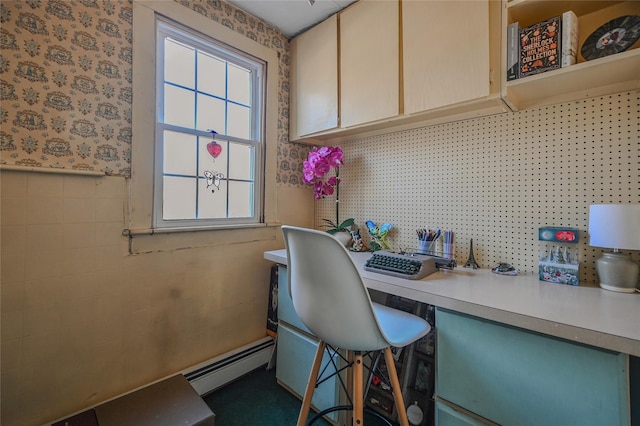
[(194, 76), (204, 177)]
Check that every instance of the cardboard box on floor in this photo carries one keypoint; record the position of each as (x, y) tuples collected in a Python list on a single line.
[(169, 402)]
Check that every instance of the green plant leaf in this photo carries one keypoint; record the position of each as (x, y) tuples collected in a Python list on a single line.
[(330, 223), (346, 224)]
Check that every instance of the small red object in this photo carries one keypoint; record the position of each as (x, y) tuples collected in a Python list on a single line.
[(214, 149), (565, 236)]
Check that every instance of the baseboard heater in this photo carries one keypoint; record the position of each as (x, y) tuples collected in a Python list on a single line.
[(216, 372)]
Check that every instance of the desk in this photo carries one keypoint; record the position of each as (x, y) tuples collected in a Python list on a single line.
[(586, 315), (511, 349)]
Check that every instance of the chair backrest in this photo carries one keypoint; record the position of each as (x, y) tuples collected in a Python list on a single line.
[(328, 293)]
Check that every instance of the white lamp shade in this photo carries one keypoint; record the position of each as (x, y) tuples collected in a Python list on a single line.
[(615, 226)]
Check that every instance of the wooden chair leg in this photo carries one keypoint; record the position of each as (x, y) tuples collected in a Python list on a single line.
[(358, 398), (395, 385), (311, 385)]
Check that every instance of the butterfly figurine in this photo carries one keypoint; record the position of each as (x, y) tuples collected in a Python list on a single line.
[(379, 235)]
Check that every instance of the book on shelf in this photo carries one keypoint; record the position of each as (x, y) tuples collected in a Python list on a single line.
[(513, 51), (540, 47), (569, 42), (548, 45)]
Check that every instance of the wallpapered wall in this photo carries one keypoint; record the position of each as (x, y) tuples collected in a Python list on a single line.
[(66, 83)]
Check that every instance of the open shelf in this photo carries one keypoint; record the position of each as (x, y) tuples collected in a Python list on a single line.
[(528, 12), (610, 74)]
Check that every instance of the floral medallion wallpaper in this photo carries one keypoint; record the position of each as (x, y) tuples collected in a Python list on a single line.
[(66, 83)]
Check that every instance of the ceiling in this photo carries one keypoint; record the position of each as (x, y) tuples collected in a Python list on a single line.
[(291, 17)]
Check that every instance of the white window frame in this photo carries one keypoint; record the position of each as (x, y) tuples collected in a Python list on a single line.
[(144, 114), (168, 28)]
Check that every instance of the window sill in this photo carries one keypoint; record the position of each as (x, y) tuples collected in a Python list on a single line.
[(154, 231), (149, 241)]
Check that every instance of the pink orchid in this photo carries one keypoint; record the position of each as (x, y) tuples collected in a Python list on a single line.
[(318, 164)]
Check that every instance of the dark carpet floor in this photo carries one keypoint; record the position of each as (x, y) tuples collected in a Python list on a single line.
[(257, 400)]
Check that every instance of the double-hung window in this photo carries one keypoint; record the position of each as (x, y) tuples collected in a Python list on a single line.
[(192, 76), (208, 134)]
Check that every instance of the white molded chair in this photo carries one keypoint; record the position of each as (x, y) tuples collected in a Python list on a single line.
[(331, 299)]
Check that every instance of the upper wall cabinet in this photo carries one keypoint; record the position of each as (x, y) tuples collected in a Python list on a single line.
[(451, 60), (446, 52), (369, 62), (417, 63), (410, 63), (587, 78), (314, 80)]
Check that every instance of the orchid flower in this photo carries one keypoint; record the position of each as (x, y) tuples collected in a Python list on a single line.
[(315, 169)]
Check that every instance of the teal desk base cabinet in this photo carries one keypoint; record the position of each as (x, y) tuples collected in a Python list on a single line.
[(296, 349), (294, 363), (511, 376)]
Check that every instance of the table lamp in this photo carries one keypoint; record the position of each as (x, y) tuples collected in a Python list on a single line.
[(616, 226)]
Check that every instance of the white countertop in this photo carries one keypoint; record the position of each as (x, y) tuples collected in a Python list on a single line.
[(586, 315)]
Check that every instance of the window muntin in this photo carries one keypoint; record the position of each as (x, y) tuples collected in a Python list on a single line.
[(205, 85)]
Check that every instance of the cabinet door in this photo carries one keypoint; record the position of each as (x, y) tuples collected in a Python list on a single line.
[(296, 352), (369, 62), (515, 377), (314, 79), (286, 311), (445, 53)]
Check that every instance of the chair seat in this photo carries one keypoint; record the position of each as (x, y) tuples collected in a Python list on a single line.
[(400, 328)]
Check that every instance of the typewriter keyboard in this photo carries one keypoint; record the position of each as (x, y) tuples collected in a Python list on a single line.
[(412, 267)]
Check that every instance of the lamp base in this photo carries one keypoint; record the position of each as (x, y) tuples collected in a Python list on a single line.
[(617, 272)]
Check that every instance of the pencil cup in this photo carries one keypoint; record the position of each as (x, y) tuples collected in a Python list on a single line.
[(426, 247), (449, 250)]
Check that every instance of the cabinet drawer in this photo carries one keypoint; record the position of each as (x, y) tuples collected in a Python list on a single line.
[(286, 312), (296, 352), (449, 416), (515, 377)]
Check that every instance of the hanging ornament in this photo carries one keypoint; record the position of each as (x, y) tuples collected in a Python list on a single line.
[(213, 178), (213, 147)]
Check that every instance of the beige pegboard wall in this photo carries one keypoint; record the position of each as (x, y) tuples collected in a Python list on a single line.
[(497, 179)]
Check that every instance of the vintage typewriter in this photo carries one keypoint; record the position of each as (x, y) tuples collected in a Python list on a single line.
[(412, 266)]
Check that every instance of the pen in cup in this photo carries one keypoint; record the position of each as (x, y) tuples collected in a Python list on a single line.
[(427, 240), (449, 246)]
